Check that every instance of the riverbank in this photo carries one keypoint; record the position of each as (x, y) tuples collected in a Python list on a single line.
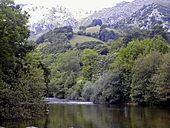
[(65, 101)]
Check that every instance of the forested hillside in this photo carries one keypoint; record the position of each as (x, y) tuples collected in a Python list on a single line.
[(122, 70)]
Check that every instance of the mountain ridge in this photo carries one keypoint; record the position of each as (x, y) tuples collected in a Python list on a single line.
[(147, 17), (44, 18), (121, 11)]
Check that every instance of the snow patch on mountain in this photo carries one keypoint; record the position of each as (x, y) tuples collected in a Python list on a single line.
[(46, 17)]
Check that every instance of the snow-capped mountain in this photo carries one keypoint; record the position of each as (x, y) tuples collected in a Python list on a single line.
[(121, 11), (45, 17), (147, 17)]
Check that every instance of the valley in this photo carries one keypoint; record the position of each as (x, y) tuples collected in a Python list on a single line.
[(78, 67)]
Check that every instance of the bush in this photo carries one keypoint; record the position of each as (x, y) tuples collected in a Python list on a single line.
[(96, 22), (87, 91), (106, 35), (109, 88)]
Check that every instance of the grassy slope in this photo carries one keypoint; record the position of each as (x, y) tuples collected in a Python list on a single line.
[(81, 39), (94, 29)]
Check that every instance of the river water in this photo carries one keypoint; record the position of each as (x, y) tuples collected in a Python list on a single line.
[(98, 116)]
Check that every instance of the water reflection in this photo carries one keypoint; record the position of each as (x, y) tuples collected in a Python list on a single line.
[(126, 112), (46, 121), (97, 116)]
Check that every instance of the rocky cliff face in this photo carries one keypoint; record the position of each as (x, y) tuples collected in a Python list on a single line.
[(46, 18), (121, 11), (148, 17)]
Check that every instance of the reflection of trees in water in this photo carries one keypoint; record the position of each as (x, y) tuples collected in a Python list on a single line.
[(127, 117), (105, 117), (145, 117), (46, 121), (98, 116), (64, 116)]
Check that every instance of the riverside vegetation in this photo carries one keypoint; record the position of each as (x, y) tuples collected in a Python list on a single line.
[(109, 67), (21, 76)]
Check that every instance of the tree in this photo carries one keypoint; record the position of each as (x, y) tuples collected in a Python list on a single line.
[(150, 81), (126, 57), (46, 73), (64, 71), (83, 28), (88, 58), (21, 81), (161, 81), (106, 35), (68, 61), (109, 88), (13, 31), (87, 91), (142, 88), (22, 99), (96, 22)]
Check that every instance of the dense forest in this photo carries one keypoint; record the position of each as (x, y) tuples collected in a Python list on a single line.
[(109, 67), (133, 68)]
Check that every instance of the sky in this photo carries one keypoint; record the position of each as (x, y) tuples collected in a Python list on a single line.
[(75, 4)]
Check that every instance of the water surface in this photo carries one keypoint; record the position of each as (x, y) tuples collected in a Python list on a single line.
[(98, 116)]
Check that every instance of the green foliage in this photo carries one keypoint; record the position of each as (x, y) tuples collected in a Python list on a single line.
[(161, 81), (109, 88), (88, 58), (46, 73), (143, 71), (57, 35), (102, 33), (126, 56), (13, 31), (134, 34), (77, 39), (137, 34), (87, 91), (64, 71), (100, 47), (21, 79), (57, 41), (69, 61), (125, 70), (150, 81), (106, 35), (22, 99)]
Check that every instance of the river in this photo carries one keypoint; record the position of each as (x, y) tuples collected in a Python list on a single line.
[(87, 115)]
